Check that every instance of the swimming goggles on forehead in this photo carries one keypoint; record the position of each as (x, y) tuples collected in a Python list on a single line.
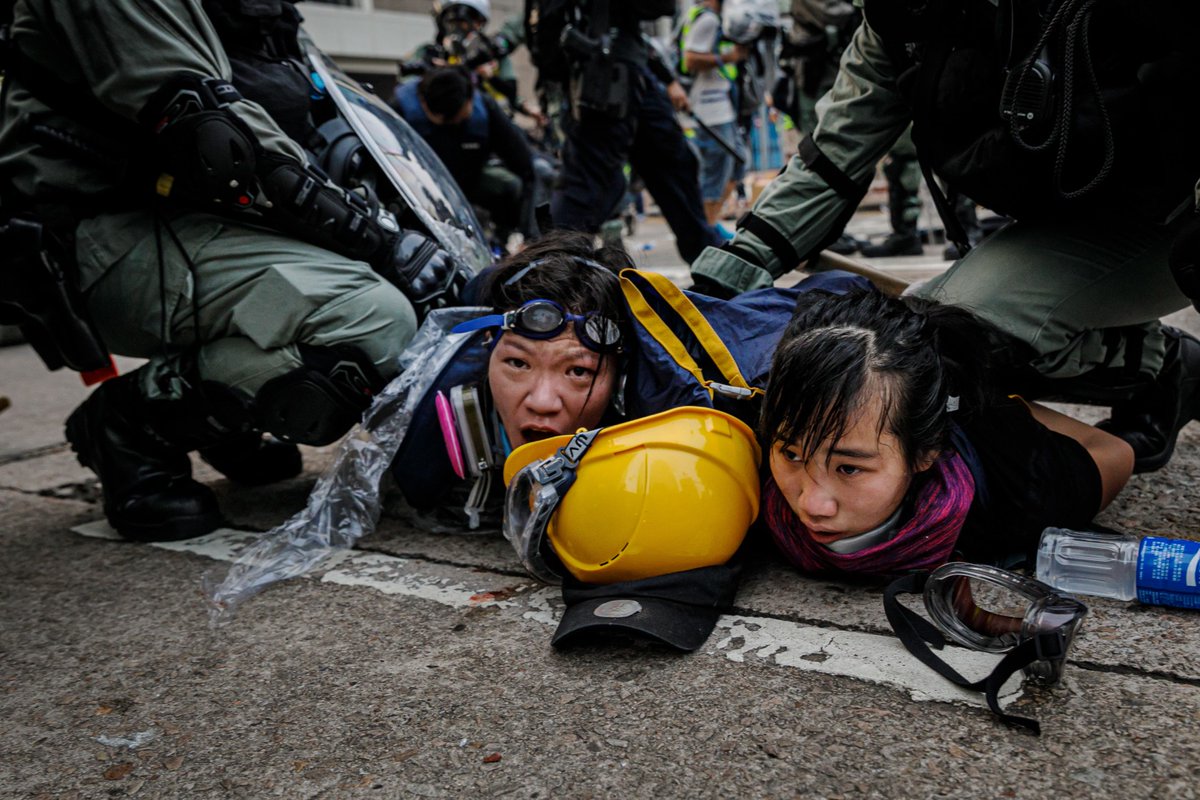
[(544, 319)]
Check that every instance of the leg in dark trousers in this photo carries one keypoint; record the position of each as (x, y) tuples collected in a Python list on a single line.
[(593, 171), (670, 169)]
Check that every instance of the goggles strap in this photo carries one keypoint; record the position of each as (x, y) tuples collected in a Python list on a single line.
[(559, 469), (918, 636)]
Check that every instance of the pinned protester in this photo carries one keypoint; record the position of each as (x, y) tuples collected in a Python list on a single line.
[(463, 400), (676, 491), (890, 451), (566, 337)]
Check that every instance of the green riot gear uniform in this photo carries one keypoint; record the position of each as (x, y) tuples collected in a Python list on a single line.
[(225, 310), (116, 233), (1098, 186), (860, 120)]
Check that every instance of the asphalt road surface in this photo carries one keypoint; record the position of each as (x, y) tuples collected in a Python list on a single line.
[(419, 665)]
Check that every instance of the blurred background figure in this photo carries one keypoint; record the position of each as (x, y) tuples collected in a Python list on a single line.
[(481, 147)]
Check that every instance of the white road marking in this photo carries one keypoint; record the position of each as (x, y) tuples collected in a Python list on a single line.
[(865, 656), (392, 575), (862, 656)]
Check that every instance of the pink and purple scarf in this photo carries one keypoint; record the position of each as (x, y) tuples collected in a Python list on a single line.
[(925, 541)]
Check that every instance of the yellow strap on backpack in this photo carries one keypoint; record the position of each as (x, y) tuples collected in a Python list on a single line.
[(735, 385)]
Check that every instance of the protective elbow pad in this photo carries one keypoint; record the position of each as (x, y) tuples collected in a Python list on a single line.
[(203, 153), (300, 202), (319, 401)]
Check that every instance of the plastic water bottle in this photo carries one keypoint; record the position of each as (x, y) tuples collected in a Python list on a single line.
[(1152, 569)]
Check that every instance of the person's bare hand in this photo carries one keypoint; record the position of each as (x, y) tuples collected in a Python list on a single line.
[(739, 52), (678, 96)]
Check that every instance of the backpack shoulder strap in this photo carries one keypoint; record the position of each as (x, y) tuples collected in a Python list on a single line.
[(636, 285)]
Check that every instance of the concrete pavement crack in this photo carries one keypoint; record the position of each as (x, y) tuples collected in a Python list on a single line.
[(744, 611), (445, 562), (1121, 669), (36, 452)]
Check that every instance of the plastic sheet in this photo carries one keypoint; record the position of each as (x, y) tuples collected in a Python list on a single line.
[(345, 504)]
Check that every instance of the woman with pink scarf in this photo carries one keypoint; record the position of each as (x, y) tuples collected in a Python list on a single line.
[(889, 452)]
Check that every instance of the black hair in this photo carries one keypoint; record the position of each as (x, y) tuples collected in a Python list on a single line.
[(563, 275), (927, 362), (445, 90)]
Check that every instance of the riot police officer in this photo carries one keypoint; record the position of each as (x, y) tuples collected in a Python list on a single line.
[(1070, 119), (264, 297), (619, 114)]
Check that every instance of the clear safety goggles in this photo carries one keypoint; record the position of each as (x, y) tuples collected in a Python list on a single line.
[(544, 319), (533, 496), (992, 610)]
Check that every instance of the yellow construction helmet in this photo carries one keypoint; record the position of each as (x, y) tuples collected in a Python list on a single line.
[(666, 493)]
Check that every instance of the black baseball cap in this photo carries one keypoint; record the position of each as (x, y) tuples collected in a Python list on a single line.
[(679, 609)]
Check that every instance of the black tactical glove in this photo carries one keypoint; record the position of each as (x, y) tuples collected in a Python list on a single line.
[(305, 205), (1185, 260), (428, 275)]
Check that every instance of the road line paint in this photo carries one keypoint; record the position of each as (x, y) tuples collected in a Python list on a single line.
[(391, 575), (866, 656), (378, 571), (863, 656)]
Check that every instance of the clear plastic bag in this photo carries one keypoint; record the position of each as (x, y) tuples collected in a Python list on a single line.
[(345, 504)]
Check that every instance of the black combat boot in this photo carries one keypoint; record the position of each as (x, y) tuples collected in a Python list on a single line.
[(968, 219), (1150, 421), (905, 239), (845, 245), (146, 476)]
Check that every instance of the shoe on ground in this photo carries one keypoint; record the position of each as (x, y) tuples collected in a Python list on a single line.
[(149, 494), (250, 459), (1150, 421), (896, 244)]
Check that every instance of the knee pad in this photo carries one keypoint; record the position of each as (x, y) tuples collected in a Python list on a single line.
[(319, 401)]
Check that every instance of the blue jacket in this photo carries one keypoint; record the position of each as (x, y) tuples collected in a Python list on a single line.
[(464, 148)]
